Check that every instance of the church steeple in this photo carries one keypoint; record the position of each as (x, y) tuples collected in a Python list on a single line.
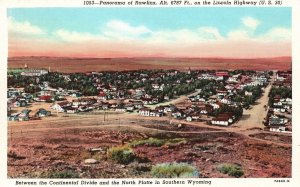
[(189, 72)]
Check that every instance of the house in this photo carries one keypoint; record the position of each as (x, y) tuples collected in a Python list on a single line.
[(255, 83), (102, 95), (205, 109), (228, 115), (226, 101), (275, 120), (220, 121), (160, 109), (193, 116), (129, 107), (232, 79), (221, 92), (71, 110), (60, 107), (155, 86), (47, 92), (229, 87), (248, 93), (277, 98), (222, 74), (155, 113), (76, 94), (178, 114), (166, 97), (121, 109), (13, 92), (44, 98), (169, 108), (24, 115), (215, 105), (189, 118), (34, 72), (14, 117), (279, 103), (144, 111), (288, 101), (27, 96), (42, 113), (84, 101), (278, 128), (279, 109), (19, 103), (85, 108), (147, 101)]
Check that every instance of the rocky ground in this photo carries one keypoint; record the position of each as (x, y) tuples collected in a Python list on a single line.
[(64, 153)]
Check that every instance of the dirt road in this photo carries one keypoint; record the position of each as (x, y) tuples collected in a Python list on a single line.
[(180, 99), (254, 117)]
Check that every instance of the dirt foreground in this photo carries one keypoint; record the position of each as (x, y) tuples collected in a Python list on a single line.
[(40, 151)]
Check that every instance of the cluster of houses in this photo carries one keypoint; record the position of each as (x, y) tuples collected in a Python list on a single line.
[(34, 72), (89, 104), (26, 115), (280, 110), (135, 97)]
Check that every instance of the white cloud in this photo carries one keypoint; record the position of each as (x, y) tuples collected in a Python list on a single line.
[(210, 33), (120, 29), (250, 22), (23, 28), (239, 34), (246, 31), (73, 36), (278, 34)]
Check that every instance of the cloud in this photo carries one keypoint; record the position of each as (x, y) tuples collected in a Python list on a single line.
[(120, 39), (245, 31), (120, 29), (23, 28), (73, 36), (250, 22), (210, 33), (277, 34), (239, 34)]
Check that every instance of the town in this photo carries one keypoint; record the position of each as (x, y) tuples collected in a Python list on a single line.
[(215, 97)]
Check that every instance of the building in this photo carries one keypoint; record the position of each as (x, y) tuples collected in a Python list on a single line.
[(144, 111), (278, 129), (60, 107), (34, 72), (220, 121)]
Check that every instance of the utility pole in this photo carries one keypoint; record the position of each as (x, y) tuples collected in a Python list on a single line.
[(10, 136), (104, 116)]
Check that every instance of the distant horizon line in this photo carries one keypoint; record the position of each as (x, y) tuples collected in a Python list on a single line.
[(85, 57)]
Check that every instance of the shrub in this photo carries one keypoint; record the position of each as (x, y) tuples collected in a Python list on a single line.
[(61, 174), (176, 142), (230, 169), (158, 142), (174, 170), (149, 142), (121, 154)]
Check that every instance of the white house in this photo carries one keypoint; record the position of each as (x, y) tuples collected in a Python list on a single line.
[(220, 121), (60, 107), (278, 129), (144, 112)]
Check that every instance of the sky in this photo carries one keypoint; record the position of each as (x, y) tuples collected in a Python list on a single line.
[(150, 32)]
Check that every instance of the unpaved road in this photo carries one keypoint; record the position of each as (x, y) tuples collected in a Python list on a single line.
[(254, 117), (116, 121)]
